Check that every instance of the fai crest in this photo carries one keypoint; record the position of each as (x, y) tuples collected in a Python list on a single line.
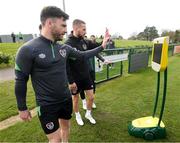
[(50, 125), (63, 52), (84, 46)]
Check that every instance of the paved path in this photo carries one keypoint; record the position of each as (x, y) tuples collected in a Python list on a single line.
[(13, 120), (7, 74)]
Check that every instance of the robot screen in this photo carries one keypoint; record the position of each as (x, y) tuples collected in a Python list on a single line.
[(157, 53)]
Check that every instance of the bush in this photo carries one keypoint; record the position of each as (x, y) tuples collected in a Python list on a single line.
[(4, 58)]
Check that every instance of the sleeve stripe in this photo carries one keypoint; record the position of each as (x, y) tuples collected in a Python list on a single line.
[(17, 67)]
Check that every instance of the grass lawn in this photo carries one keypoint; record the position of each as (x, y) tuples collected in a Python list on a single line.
[(9, 48), (132, 43), (119, 101), (8, 102)]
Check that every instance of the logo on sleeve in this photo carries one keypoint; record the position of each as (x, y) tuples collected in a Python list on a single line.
[(42, 56), (63, 52), (50, 125)]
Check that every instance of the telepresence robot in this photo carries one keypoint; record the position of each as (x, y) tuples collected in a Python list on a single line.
[(152, 127)]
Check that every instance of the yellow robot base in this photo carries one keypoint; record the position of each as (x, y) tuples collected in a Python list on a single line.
[(147, 128)]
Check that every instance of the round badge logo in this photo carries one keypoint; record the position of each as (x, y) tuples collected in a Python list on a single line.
[(42, 56), (50, 125)]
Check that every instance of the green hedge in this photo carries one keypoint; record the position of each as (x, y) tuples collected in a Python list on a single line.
[(4, 58)]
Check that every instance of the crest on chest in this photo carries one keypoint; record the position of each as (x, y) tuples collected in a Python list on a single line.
[(84, 46), (62, 52)]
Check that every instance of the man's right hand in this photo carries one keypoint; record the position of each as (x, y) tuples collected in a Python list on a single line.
[(25, 115), (106, 38), (73, 87), (107, 62)]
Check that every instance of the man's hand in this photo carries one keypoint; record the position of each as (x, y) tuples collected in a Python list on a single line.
[(106, 38), (107, 62), (25, 115), (73, 87)]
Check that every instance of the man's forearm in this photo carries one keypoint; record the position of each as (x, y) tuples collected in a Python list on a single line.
[(20, 91), (93, 52)]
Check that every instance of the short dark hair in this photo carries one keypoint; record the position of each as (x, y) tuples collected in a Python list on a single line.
[(40, 27), (78, 22), (52, 12)]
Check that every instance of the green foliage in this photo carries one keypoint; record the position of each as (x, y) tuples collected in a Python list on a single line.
[(148, 34), (174, 36), (4, 58), (171, 35), (177, 36), (9, 50)]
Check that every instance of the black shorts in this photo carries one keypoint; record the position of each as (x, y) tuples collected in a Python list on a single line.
[(92, 74), (49, 115), (85, 84)]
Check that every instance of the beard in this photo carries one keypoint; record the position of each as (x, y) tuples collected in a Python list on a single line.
[(56, 35), (81, 36)]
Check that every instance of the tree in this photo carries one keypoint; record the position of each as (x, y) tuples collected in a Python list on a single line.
[(171, 35), (142, 36), (117, 36), (120, 37), (133, 36), (177, 36), (150, 33)]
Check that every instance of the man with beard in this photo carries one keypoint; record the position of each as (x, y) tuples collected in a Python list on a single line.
[(45, 60), (92, 43), (79, 73)]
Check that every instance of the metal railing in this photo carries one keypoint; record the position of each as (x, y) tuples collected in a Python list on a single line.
[(108, 71), (113, 70)]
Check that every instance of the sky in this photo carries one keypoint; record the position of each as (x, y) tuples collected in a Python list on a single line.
[(125, 17)]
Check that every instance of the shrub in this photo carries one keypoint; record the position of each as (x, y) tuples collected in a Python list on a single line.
[(4, 58)]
